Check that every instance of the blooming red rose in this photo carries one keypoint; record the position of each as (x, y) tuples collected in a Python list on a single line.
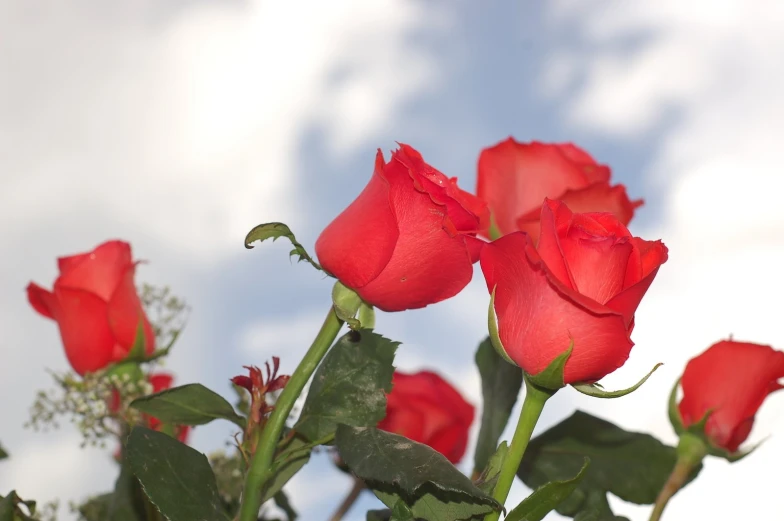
[(425, 408), (514, 178), (409, 239), (95, 304), (731, 379), (582, 284)]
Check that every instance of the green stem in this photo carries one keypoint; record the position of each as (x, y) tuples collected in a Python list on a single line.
[(535, 398), (261, 463), (691, 450)]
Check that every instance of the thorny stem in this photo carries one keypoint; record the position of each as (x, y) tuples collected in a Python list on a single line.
[(261, 462)]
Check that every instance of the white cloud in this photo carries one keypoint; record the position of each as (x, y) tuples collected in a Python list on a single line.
[(177, 126)]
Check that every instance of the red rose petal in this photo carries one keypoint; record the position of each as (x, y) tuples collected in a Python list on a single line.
[(124, 313), (732, 379), (98, 272), (358, 244), (84, 329), (42, 300), (539, 318)]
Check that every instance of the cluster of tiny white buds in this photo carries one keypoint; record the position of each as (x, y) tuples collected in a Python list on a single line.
[(86, 404)]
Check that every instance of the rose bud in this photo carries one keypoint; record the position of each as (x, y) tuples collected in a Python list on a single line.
[(408, 240), (96, 307), (423, 407), (728, 383), (514, 178), (579, 288)]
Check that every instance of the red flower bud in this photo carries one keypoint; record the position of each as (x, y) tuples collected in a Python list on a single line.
[(425, 408), (581, 286), (730, 380), (408, 240), (95, 305)]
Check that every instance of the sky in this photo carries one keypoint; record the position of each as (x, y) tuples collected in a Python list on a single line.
[(180, 125)]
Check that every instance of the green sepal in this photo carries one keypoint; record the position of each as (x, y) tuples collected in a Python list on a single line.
[(698, 430), (366, 316), (346, 303), (493, 232), (492, 327), (673, 412), (160, 353), (732, 457), (273, 231), (596, 391), (121, 369), (138, 350), (552, 377)]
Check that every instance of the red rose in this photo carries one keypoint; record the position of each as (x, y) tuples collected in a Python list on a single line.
[(514, 178), (425, 408), (408, 240), (582, 284), (95, 304), (731, 379), (161, 382)]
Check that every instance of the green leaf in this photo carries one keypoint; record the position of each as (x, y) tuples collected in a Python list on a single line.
[(127, 501), (350, 385), (96, 508), (191, 404), (287, 467), (545, 498), (428, 506), (8, 506), (501, 383), (177, 479), (10, 511), (596, 390), (401, 512), (396, 468), (489, 476), (282, 502), (378, 515), (633, 466), (273, 231), (3, 453)]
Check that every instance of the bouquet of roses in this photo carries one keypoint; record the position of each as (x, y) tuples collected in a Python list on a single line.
[(564, 279)]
